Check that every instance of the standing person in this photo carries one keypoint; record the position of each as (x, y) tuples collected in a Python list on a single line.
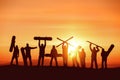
[(28, 52), (15, 55), (74, 57), (82, 56), (104, 58), (104, 55), (53, 55), (94, 51), (15, 50), (65, 53), (41, 52)]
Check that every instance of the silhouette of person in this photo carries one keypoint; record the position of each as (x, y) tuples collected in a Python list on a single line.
[(94, 55), (82, 56), (65, 53), (53, 55), (75, 55), (104, 58), (28, 52), (15, 55), (24, 56), (41, 52), (104, 55)]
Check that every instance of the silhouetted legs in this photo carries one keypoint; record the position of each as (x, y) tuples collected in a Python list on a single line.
[(75, 62), (65, 61), (94, 61), (15, 59), (82, 63), (91, 63), (96, 66), (104, 63), (39, 60), (52, 60), (25, 62), (30, 60), (11, 60), (42, 61), (82, 56)]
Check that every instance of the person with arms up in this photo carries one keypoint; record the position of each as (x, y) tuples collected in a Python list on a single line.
[(41, 52), (94, 51)]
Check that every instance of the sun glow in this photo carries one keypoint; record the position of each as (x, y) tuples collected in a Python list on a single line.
[(74, 46)]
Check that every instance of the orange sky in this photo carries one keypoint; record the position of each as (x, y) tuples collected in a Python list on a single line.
[(94, 20)]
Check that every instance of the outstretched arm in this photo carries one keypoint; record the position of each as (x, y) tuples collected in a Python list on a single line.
[(33, 47)]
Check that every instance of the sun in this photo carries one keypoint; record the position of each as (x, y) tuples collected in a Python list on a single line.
[(74, 44)]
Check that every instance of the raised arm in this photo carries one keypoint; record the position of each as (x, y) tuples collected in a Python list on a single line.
[(90, 46), (97, 49), (44, 42), (39, 43)]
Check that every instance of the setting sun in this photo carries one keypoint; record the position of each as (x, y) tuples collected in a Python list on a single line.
[(75, 43), (95, 21), (75, 47), (59, 39)]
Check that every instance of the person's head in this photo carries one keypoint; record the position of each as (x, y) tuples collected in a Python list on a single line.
[(79, 47), (14, 37), (82, 49), (103, 49), (94, 48), (27, 44), (41, 44), (54, 46), (65, 43), (16, 46)]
